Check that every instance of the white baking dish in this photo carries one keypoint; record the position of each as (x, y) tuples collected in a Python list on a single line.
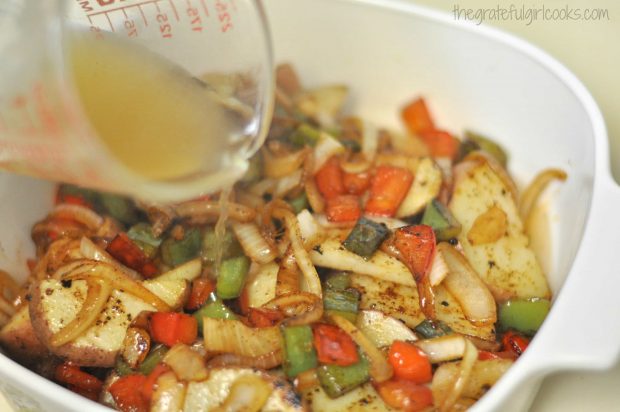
[(474, 77)]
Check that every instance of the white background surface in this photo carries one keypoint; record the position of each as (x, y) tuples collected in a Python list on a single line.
[(591, 50)]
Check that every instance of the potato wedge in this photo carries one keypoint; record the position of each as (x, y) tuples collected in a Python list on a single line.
[(507, 265), (425, 187), (260, 286), (361, 399), (401, 302), (19, 339), (210, 393)]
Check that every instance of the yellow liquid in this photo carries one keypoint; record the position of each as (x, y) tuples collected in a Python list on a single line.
[(154, 117)]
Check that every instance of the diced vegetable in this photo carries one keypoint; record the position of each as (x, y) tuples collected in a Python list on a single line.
[(440, 143), (444, 348), (410, 362), (388, 189), (299, 203), (123, 249), (439, 217), (334, 346), (524, 315), (300, 354), (171, 328), (337, 281), (405, 395), (121, 368), (356, 183), (214, 310), (153, 359), (127, 394), (327, 148), (76, 195), (186, 363), (425, 187), (305, 135), (416, 116), (342, 300), (232, 276), (514, 342), (175, 252), (142, 235), (343, 208), (366, 237), (350, 316), (200, 294), (227, 243), (476, 141), (329, 179), (338, 380), (416, 245), (69, 374), (429, 329), (151, 380), (263, 318), (119, 207), (381, 329)]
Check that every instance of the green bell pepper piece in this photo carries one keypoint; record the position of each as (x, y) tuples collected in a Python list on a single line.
[(523, 315), (475, 141), (343, 300), (429, 329), (299, 352), (366, 237), (119, 207), (175, 252), (228, 243), (299, 203), (338, 281), (439, 217), (215, 309), (305, 135), (231, 277), (338, 380), (152, 359)]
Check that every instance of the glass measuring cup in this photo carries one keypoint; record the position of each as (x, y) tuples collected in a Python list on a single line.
[(160, 99)]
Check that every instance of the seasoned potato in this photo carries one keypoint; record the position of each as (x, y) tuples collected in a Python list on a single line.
[(507, 265), (19, 339), (361, 399)]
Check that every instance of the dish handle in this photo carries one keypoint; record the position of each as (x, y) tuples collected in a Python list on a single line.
[(582, 330)]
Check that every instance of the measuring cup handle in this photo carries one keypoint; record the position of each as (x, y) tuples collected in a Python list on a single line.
[(581, 331)]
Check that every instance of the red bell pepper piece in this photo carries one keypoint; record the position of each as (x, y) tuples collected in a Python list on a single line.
[(405, 395), (150, 381), (343, 208), (416, 116), (123, 249), (486, 355), (201, 291), (76, 379), (440, 143), (171, 328), (329, 179), (513, 342), (334, 346), (264, 318), (416, 245), (127, 393), (356, 183), (410, 362), (389, 187)]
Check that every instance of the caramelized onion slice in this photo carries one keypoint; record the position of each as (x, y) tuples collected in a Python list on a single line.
[(232, 336)]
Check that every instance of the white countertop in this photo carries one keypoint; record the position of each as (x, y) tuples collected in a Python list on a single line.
[(590, 49)]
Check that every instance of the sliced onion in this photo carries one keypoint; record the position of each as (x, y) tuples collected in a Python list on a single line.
[(198, 208), (268, 361), (370, 140), (280, 166), (381, 329), (289, 183), (232, 336), (358, 166), (439, 269), (310, 230), (467, 288), (311, 281), (248, 393), (380, 369), (78, 213), (89, 269), (169, 394), (469, 360), (444, 348), (300, 308), (96, 298), (534, 190), (253, 243), (315, 200), (326, 147), (91, 251), (288, 275), (186, 363)]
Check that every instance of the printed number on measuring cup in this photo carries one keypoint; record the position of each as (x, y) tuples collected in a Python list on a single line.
[(224, 16), (195, 19), (164, 27)]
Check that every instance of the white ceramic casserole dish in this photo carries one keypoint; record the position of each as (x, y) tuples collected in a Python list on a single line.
[(474, 77)]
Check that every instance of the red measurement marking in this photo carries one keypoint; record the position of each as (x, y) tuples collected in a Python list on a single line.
[(146, 23), (174, 9), (124, 7), (223, 16), (194, 16), (204, 7)]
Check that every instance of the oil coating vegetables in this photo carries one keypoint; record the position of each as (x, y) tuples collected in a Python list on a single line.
[(352, 268)]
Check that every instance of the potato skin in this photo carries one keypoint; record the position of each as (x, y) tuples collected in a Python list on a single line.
[(84, 356), (19, 339)]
